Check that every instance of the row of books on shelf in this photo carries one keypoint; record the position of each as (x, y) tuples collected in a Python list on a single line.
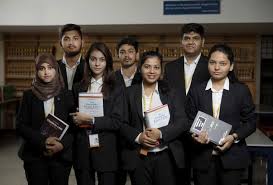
[(27, 53), (241, 54), (20, 70), (245, 71)]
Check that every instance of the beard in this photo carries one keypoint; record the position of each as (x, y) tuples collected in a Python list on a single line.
[(127, 64), (72, 53)]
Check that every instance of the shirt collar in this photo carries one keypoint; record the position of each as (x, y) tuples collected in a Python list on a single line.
[(131, 77), (99, 81), (226, 84), (194, 62), (77, 63), (156, 88)]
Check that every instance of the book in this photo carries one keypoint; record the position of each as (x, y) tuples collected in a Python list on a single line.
[(157, 117), (54, 127), (91, 103), (216, 129)]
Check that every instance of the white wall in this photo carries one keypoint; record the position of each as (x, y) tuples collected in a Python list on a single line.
[(101, 12), (2, 62)]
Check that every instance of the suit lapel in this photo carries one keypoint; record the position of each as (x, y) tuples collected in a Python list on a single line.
[(201, 66), (57, 104), (63, 70), (137, 78), (120, 78), (181, 73), (79, 72), (163, 97), (138, 100), (208, 102)]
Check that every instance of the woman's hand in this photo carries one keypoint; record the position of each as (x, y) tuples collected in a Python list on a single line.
[(226, 143), (202, 137), (80, 118), (53, 145), (147, 141)]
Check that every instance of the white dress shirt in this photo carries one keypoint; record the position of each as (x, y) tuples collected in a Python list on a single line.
[(217, 97), (189, 71), (70, 72), (127, 80), (96, 85), (49, 106)]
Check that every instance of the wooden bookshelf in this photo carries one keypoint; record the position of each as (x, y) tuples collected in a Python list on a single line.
[(21, 50)]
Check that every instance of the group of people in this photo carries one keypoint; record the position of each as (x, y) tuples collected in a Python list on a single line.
[(125, 145)]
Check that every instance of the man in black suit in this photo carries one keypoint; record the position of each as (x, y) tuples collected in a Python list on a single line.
[(186, 72), (128, 75), (128, 55), (72, 63)]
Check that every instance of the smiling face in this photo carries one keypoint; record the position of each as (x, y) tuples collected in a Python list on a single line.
[(192, 43), (219, 66), (71, 43), (151, 70), (97, 63), (46, 72)]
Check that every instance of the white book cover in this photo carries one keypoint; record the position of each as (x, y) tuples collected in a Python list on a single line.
[(54, 127), (91, 103), (157, 117), (217, 129)]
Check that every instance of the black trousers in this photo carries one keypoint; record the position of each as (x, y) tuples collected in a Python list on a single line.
[(183, 175), (155, 169), (47, 172), (121, 177), (216, 174), (87, 177)]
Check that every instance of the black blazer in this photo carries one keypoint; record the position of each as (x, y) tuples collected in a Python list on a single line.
[(78, 75), (120, 81), (104, 158), (237, 109), (29, 120), (177, 125), (174, 74)]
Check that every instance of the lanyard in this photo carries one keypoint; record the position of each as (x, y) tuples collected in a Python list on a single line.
[(144, 102)]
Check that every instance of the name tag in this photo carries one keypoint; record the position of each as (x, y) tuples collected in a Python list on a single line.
[(93, 140)]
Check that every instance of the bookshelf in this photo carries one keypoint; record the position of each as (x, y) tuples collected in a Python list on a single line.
[(267, 70), (21, 50)]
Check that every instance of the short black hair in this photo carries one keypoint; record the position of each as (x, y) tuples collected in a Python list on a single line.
[(130, 40), (193, 27), (70, 27)]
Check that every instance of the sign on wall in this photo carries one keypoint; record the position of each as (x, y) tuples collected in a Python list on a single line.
[(191, 7)]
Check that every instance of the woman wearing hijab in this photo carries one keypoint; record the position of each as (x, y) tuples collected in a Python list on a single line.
[(47, 160)]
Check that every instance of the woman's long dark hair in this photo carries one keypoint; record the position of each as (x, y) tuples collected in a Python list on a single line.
[(223, 48), (108, 73)]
